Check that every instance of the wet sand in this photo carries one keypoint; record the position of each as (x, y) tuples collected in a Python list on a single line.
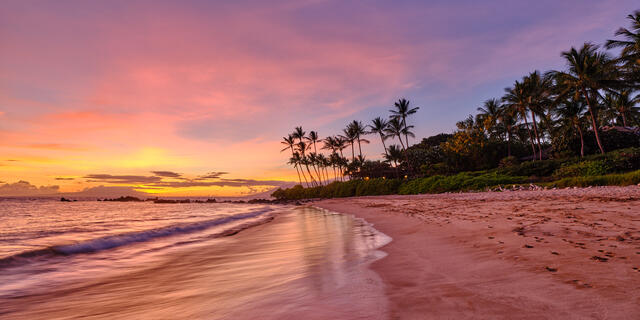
[(552, 254)]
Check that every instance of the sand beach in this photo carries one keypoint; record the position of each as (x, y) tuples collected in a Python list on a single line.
[(548, 254)]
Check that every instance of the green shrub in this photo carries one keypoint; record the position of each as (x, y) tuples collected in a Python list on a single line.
[(582, 169), (459, 182), (532, 168), (507, 162), (618, 179)]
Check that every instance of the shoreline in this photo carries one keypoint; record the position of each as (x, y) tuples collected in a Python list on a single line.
[(565, 253)]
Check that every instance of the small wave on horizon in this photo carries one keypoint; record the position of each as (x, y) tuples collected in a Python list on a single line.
[(118, 240)]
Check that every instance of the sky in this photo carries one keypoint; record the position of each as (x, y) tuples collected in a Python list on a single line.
[(192, 98)]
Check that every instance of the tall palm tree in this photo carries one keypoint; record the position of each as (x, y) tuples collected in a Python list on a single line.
[(289, 141), (571, 113), (349, 137), (358, 130), (588, 72), (295, 161), (314, 162), (538, 91), (299, 134), (402, 111), (379, 126), (516, 97), (302, 148), (313, 138)]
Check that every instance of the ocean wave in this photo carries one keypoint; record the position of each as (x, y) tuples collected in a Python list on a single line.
[(118, 240)]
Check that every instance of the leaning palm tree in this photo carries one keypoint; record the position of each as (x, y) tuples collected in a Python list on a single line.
[(313, 161), (588, 72), (302, 147), (402, 111), (379, 126), (295, 160), (571, 114)]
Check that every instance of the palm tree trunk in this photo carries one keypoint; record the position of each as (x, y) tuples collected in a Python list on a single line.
[(298, 172), (310, 175), (533, 147), (593, 120), (401, 144), (509, 143), (406, 135), (317, 171), (581, 141), (535, 129), (624, 119), (304, 176), (384, 146), (359, 147), (353, 153)]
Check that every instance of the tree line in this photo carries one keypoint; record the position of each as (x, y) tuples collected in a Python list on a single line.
[(589, 107)]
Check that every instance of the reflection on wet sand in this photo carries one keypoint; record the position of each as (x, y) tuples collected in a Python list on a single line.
[(307, 262)]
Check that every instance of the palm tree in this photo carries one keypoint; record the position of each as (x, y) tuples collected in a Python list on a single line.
[(299, 134), (490, 114), (312, 138), (516, 97), (350, 138), (588, 72), (358, 130), (621, 105), (315, 164), (289, 141), (394, 129), (538, 91), (630, 53), (508, 118), (571, 113), (379, 126), (302, 148), (394, 155), (402, 111), (295, 161)]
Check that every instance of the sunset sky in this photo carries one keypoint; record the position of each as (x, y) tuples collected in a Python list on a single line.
[(193, 97)]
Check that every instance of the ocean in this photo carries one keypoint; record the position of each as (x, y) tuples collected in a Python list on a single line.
[(140, 260)]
